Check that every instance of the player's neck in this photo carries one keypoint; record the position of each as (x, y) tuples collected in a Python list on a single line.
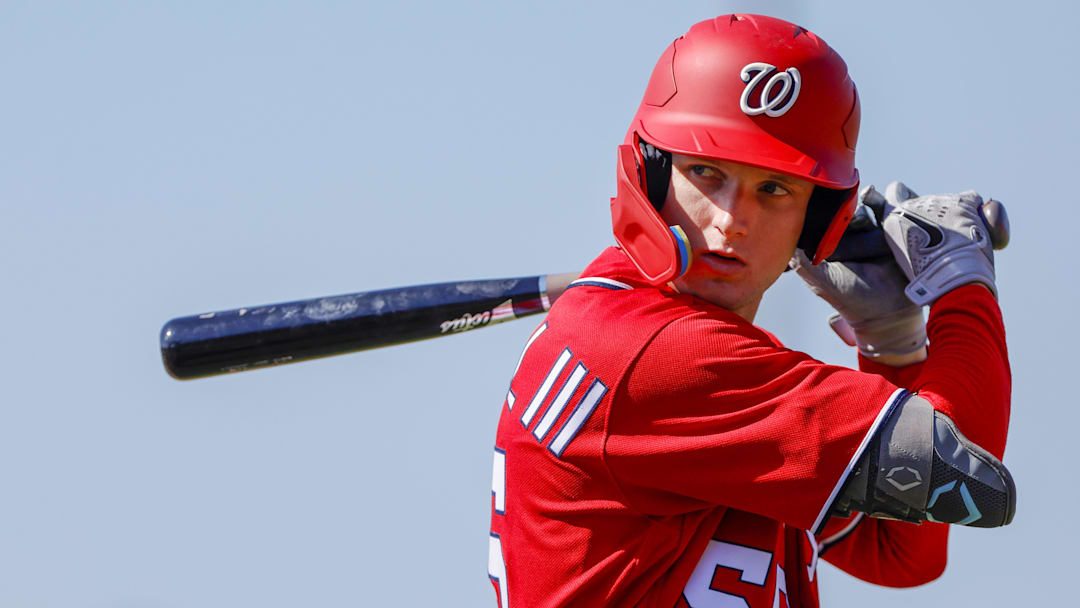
[(748, 311)]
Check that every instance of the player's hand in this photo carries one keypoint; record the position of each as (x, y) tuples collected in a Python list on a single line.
[(943, 241), (868, 295)]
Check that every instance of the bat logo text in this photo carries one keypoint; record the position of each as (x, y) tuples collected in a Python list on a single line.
[(466, 322)]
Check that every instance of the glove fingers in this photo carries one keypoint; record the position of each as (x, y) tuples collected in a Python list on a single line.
[(815, 277), (799, 262), (867, 289), (862, 220), (897, 192), (874, 200)]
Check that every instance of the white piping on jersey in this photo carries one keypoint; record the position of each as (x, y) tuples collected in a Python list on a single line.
[(897, 396), (510, 396), (842, 534), (811, 568), (603, 282), (536, 334)]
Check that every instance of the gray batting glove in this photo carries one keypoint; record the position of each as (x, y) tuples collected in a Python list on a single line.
[(943, 241), (869, 296)]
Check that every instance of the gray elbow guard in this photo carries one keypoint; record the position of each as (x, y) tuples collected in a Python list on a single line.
[(918, 467)]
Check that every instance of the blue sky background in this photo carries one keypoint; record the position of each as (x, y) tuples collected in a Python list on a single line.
[(162, 159)]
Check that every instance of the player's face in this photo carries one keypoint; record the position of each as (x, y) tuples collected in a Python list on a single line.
[(743, 223)]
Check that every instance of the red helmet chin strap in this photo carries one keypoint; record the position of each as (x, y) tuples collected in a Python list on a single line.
[(659, 252)]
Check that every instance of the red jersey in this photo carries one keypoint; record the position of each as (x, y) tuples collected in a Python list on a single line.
[(658, 450)]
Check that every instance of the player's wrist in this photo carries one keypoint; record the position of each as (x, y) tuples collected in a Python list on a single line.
[(964, 297), (900, 336), (911, 358)]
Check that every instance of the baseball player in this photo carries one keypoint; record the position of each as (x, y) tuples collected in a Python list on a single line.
[(656, 448)]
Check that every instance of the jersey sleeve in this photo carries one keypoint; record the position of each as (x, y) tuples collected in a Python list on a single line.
[(715, 412), (886, 552), (881, 551), (966, 376)]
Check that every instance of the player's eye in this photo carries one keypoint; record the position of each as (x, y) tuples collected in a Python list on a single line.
[(705, 171), (774, 188)]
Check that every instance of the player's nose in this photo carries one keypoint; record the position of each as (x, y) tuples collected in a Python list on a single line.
[(732, 212)]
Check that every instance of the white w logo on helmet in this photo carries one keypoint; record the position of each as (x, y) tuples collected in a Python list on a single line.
[(790, 82)]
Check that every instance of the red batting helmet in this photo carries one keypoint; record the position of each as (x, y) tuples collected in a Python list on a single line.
[(749, 89)]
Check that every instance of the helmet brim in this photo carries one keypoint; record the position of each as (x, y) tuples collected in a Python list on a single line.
[(699, 136)]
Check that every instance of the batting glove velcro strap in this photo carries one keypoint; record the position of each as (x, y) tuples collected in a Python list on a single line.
[(919, 467), (940, 241)]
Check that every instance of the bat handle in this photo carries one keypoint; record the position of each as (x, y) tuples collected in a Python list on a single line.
[(556, 284)]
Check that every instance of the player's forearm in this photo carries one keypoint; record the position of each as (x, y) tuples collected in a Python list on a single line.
[(967, 374), (963, 396), (892, 553), (903, 376)]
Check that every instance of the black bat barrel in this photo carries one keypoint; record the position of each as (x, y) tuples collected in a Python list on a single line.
[(264, 336)]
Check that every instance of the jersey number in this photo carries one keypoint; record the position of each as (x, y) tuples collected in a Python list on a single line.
[(752, 566), (496, 563)]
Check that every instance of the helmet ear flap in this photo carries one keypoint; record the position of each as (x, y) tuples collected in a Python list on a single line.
[(659, 252), (827, 215)]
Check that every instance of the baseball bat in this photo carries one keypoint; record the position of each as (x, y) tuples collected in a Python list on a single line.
[(263, 336), (255, 337)]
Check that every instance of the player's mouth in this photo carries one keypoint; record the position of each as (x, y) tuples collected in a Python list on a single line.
[(723, 263)]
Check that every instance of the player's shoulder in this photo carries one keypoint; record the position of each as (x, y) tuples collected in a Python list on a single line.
[(611, 303), (610, 295), (709, 358), (707, 350), (706, 326), (608, 280)]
